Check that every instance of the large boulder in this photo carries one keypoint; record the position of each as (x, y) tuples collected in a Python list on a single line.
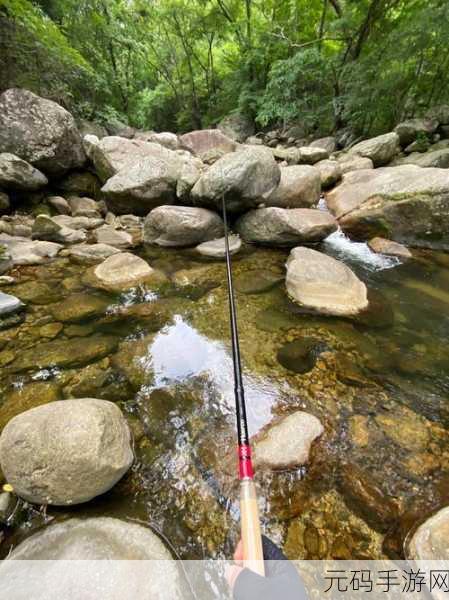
[(299, 187), (409, 130), (430, 540), (80, 182), (165, 138), (237, 126), (436, 158), (309, 155), (330, 172), (120, 129), (323, 284), (181, 226), (26, 252), (406, 204), (207, 144), (439, 113), (121, 271), (142, 186), (86, 127), (285, 227), (45, 228), (245, 178), (354, 163), (114, 559), (328, 143), (17, 174), (40, 132), (287, 442), (381, 150), (66, 452)]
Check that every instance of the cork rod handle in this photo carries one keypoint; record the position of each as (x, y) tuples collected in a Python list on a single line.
[(251, 534)]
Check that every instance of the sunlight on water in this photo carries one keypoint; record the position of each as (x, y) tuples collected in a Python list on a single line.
[(179, 352), (340, 245)]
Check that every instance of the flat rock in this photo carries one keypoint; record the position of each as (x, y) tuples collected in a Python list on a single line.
[(381, 150), (430, 540), (328, 143), (246, 178), (66, 452), (78, 307), (26, 252), (108, 235), (115, 559), (299, 187), (86, 223), (83, 207), (384, 202), (330, 172), (9, 304), (181, 226), (323, 284), (65, 353), (91, 253), (203, 143), (434, 158), (46, 228), (309, 155), (286, 443), (17, 174), (355, 163), (383, 246), (285, 227), (39, 131), (122, 271), (217, 249)]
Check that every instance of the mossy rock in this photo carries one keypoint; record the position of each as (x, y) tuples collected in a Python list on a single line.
[(30, 396)]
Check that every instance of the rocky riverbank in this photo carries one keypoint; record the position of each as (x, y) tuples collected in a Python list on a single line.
[(113, 278)]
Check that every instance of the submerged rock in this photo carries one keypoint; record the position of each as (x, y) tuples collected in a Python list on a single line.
[(246, 178), (17, 174), (300, 355), (64, 353), (216, 248), (181, 226), (40, 132), (383, 246), (66, 452), (285, 227), (78, 307), (122, 271), (286, 443), (324, 284), (299, 187), (27, 397), (257, 281), (430, 540), (115, 560)]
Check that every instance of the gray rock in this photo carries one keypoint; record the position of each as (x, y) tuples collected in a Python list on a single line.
[(309, 155), (190, 171), (429, 542), (246, 178), (216, 248), (356, 163), (143, 186), (4, 203), (86, 127), (113, 237), (117, 128), (207, 143), (409, 130), (60, 204), (40, 132), (83, 207), (115, 560), (27, 252), (328, 143), (299, 187), (84, 183), (66, 452), (166, 139), (9, 304), (383, 246), (237, 126), (385, 202), (46, 228), (91, 253), (122, 271), (17, 174), (381, 150), (254, 141), (78, 307), (323, 284), (330, 172), (285, 227), (287, 442), (86, 223), (181, 226), (439, 113), (437, 158), (292, 156)]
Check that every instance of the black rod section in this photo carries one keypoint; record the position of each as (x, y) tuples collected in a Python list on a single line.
[(242, 425)]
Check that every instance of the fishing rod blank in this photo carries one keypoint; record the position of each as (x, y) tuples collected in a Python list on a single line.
[(250, 524)]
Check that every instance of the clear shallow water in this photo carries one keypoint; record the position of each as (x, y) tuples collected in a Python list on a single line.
[(380, 387)]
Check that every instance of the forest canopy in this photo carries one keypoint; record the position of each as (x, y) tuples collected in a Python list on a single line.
[(185, 64)]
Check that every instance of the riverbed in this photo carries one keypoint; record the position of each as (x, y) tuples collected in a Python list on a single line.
[(378, 383)]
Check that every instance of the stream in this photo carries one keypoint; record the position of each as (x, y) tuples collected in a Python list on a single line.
[(378, 383)]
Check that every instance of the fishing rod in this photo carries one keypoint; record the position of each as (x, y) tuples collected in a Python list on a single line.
[(249, 512)]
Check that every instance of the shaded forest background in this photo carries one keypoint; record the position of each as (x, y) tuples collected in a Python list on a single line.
[(184, 64)]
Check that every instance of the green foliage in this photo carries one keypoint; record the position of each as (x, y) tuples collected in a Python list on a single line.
[(183, 64)]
